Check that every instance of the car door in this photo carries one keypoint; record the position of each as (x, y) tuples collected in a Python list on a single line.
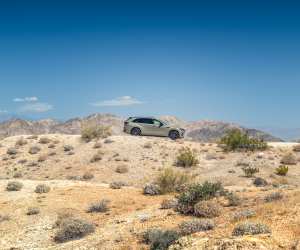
[(160, 129), (146, 125)]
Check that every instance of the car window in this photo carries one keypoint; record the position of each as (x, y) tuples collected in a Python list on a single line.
[(144, 120), (157, 123)]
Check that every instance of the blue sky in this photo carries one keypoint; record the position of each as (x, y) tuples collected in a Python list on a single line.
[(236, 61)]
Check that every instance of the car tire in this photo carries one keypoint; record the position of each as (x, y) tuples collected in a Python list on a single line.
[(173, 135), (135, 131)]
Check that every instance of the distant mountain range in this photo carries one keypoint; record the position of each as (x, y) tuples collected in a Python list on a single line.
[(197, 130)]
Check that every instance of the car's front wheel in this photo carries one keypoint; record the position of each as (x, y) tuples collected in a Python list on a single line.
[(174, 135), (135, 131)]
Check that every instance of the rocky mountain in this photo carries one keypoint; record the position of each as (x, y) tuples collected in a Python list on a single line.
[(198, 130)]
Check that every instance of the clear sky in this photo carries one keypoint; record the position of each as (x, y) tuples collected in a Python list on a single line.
[(236, 61)]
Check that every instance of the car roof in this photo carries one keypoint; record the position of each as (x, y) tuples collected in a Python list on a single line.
[(142, 117)]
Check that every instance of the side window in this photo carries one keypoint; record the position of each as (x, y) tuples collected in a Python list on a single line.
[(143, 120), (157, 123)]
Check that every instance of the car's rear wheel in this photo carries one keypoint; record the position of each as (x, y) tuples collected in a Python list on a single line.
[(174, 135), (135, 131)]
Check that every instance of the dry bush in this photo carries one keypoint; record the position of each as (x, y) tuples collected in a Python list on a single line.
[(275, 196), (12, 151), (296, 148), (168, 203), (233, 199), (250, 171), (21, 142), (196, 225), (122, 169), (4, 218), (159, 239), (99, 207), (33, 211), (147, 145), (90, 132), (98, 144), (151, 189), (32, 137), (17, 175), (250, 228), (44, 140), (243, 214), (186, 158), (117, 185), (289, 159), (171, 180), (73, 228), (97, 157), (42, 188), (87, 176), (207, 209), (68, 148), (260, 182), (14, 186), (34, 150), (52, 145), (42, 158)]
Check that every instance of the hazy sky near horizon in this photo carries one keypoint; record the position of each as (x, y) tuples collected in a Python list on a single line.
[(237, 61)]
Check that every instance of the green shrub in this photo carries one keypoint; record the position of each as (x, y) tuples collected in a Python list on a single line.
[(237, 140), (282, 170), (250, 171), (159, 239), (170, 180), (250, 228), (73, 228), (186, 158), (90, 132), (207, 209), (99, 207), (195, 193), (194, 226), (42, 189), (14, 186)]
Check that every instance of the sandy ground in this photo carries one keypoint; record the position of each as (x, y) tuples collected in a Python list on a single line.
[(131, 212)]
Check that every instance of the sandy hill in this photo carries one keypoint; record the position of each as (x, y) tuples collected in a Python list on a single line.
[(206, 131)]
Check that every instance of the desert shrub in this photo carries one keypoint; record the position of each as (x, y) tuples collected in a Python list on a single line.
[(170, 180), (42, 188), (21, 142), (98, 144), (194, 226), (250, 228), (288, 159), (52, 153), (237, 140), (282, 170), (195, 193), (32, 137), (33, 211), (87, 176), (159, 239), (4, 218), (275, 196), (34, 150), (44, 140), (117, 185), (42, 158), (122, 169), (151, 189), (68, 148), (147, 145), (260, 182), (90, 132), (73, 228), (14, 186), (233, 199), (186, 158), (99, 207), (207, 209), (12, 151), (250, 171), (107, 141), (52, 145), (168, 203), (296, 148), (97, 157), (243, 214), (17, 175)]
